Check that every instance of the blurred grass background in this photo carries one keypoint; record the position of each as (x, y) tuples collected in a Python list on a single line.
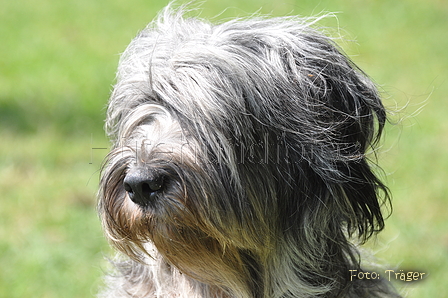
[(57, 64)]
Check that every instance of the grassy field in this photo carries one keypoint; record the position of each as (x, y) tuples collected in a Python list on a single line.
[(57, 64)]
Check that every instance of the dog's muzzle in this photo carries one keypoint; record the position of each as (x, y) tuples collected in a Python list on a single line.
[(143, 185)]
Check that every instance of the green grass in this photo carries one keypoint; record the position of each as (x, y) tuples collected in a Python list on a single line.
[(57, 64), (50, 239)]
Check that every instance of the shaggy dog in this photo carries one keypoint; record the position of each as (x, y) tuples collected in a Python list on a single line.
[(240, 163)]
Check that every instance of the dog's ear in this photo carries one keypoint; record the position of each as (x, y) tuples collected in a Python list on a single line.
[(334, 126), (357, 118)]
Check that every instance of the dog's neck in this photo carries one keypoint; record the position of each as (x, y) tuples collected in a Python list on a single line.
[(277, 277)]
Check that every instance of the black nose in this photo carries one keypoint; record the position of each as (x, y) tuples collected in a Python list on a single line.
[(143, 186)]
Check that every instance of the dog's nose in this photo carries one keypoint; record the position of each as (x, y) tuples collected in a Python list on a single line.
[(142, 186)]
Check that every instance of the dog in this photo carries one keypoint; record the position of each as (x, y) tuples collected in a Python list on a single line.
[(242, 163)]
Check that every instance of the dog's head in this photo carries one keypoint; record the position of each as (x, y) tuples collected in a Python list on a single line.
[(236, 142)]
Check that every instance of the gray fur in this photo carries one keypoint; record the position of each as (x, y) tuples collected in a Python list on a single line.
[(262, 131)]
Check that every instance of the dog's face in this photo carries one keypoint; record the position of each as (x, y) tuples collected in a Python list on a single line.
[(236, 142)]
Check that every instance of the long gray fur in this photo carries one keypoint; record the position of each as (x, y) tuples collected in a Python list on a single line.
[(259, 132)]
